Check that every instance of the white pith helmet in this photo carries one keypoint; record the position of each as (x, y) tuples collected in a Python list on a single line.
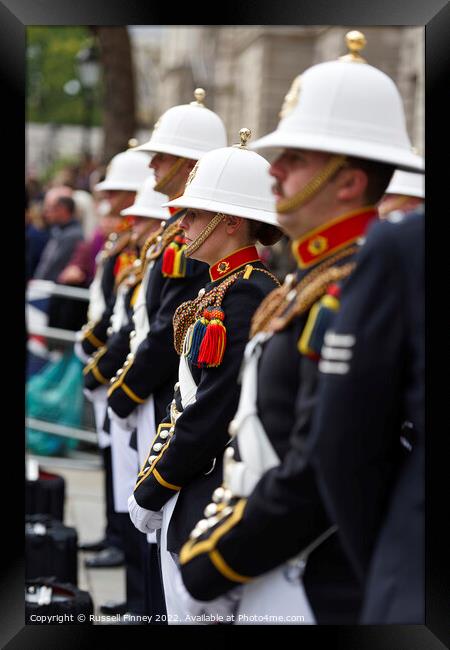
[(232, 180), (407, 184), (345, 107), (148, 203), (187, 131), (126, 172)]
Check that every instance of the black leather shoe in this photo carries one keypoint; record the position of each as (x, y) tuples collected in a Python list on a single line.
[(94, 546), (109, 557), (113, 607)]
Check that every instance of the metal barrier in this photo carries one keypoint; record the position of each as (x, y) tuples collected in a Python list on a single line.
[(48, 288), (38, 289)]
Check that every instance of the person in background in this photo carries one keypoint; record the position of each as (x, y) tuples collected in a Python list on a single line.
[(370, 458), (35, 241), (405, 192), (65, 233), (267, 531)]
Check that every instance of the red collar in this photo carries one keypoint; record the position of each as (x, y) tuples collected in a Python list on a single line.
[(332, 236), (227, 265)]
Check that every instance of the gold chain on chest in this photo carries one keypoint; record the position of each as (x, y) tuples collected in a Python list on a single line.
[(188, 312), (287, 302)]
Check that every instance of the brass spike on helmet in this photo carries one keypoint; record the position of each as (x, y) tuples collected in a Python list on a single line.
[(132, 142), (355, 41), (199, 94), (245, 134)]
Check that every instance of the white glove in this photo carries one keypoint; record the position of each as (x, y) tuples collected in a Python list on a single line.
[(98, 393), (130, 422), (217, 609), (80, 353), (144, 520)]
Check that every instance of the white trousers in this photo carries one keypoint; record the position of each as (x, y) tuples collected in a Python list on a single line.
[(146, 431), (99, 402), (124, 461), (176, 609)]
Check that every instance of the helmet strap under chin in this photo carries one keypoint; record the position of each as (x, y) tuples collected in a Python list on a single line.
[(315, 184), (159, 186), (203, 236)]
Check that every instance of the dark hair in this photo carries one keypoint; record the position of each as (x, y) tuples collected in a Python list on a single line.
[(263, 232), (378, 174), (67, 202)]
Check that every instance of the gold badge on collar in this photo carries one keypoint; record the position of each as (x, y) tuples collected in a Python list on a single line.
[(223, 267), (291, 98), (318, 245)]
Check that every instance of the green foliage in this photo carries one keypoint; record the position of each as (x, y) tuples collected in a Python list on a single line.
[(50, 65)]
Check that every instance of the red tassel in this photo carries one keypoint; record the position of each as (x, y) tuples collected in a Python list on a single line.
[(124, 259), (214, 341), (168, 260)]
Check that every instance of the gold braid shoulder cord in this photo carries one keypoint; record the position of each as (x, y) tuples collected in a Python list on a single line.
[(157, 241), (287, 302), (137, 269), (188, 312)]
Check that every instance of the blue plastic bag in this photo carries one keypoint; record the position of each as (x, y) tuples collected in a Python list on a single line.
[(55, 395)]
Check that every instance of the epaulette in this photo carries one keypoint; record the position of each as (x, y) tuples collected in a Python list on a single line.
[(295, 298), (199, 329), (124, 264), (174, 258), (319, 319)]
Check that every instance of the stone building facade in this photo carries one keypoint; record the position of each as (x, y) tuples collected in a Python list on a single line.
[(247, 70)]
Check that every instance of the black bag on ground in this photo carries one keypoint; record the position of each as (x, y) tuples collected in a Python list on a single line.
[(50, 549), (64, 600), (45, 495)]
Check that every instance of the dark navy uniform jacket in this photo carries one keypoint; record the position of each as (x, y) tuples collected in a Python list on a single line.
[(115, 351), (369, 437), (154, 369), (191, 464), (285, 512), (96, 336)]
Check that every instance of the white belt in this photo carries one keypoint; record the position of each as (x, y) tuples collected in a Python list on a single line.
[(96, 298), (140, 315), (255, 449)]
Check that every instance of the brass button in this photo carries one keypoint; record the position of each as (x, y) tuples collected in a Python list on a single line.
[(202, 525), (210, 510), (218, 494)]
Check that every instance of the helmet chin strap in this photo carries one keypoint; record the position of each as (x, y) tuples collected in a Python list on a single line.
[(203, 236), (314, 185), (159, 187)]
